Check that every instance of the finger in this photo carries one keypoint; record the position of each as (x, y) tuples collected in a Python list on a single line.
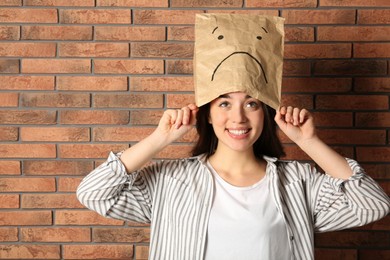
[(296, 116), (288, 116), (186, 115), (304, 114), (179, 118)]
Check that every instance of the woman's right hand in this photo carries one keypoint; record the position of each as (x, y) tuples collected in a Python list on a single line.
[(176, 122)]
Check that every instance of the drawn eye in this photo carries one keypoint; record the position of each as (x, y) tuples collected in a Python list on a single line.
[(220, 37), (259, 37)]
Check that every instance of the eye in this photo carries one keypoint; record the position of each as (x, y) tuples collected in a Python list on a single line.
[(220, 37), (252, 104), (259, 37), (224, 104)]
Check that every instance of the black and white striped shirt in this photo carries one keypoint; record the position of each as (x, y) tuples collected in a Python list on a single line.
[(175, 197)]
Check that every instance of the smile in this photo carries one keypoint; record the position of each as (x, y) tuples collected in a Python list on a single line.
[(239, 132)]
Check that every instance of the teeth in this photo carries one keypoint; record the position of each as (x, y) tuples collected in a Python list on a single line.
[(238, 132)]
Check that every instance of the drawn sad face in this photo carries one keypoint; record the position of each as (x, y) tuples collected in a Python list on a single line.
[(249, 61)]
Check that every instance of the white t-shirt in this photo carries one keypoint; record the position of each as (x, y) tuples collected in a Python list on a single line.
[(244, 223)]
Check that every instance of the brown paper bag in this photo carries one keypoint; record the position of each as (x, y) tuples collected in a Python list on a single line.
[(238, 52)]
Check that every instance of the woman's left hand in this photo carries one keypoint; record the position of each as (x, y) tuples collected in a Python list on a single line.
[(297, 124)]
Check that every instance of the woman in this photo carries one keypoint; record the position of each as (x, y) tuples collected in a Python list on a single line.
[(234, 199)]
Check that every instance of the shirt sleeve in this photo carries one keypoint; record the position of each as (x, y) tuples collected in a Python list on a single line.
[(340, 204), (112, 192)]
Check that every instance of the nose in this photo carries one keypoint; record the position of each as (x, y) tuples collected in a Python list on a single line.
[(238, 115)]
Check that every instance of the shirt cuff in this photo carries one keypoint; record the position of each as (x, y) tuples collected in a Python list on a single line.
[(115, 164), (357, 173)]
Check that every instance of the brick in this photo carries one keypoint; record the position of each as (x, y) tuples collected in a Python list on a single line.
[(9, 100), (165, 17), (377, 171), (133, 3), (352, 102), (9, 66), (89, 150), (179, 100), (281, 3), (52, 234), (368, 254), (333, 16), (373, 154), (161, 84), (25, 218), (201, 3), (98, 251), (84, 218), (56, 168), (46, 32), (371, 50), (374, 3), (11, 3), (353, 33), (129, 66), (69, 184), (56, 66), (316, 85), (142, 252), (9, 167), (27, 151), (18, 251), (325, 254), (93, 50), (27, 117), (179, 66), (95, 16), (18, 49), (91, 83), (374, 16), (145, 117), (28, 15), (59, 2), (129, 235), (55, 100), (372, 84), (162, 50), (175, 151), (244, 11), (8, 201), (377, 119), (317, 51), (299, 34), (333, 119), (348, 238), (93, 117), (296, 68), (26, 82), (54, 134), (120, 134), (8, 234), (27, 184), (181, 33), (9, 32), (350, 67), (297, 100), (113, 33), (128, 101), (352, 136), (53, 201)]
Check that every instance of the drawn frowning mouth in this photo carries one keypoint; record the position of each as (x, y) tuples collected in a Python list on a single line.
[(240, 52)]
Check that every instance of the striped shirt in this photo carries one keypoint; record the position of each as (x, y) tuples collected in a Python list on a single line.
[(175, 197)]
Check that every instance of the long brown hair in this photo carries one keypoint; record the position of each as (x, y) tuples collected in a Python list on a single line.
[(267, 144)]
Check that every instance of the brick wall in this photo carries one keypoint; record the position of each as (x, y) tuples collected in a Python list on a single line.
[(82, 77)]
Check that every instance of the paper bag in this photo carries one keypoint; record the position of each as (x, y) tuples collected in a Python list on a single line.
[(238, 52)]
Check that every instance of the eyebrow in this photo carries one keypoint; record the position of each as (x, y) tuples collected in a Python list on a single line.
[(228, 96), (215, 29)]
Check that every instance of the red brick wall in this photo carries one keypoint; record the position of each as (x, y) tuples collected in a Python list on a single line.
[(82, 77)]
